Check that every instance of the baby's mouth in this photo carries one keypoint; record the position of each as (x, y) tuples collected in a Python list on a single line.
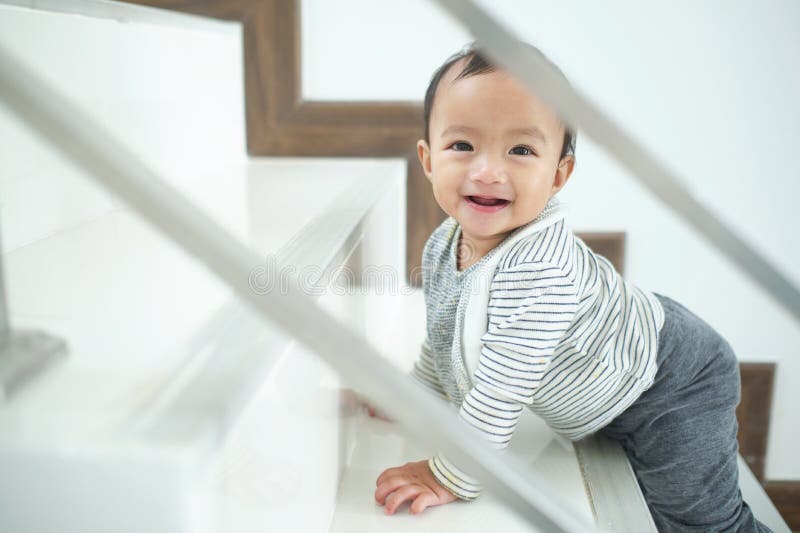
[(486, 205), (481, 200)]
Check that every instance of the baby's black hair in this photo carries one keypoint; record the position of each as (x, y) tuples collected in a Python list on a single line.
[(477, 64)]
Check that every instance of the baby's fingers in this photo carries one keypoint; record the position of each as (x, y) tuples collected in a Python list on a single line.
[(387, 486), (396, 499), (389, 473), (423, 501), (377, 413)]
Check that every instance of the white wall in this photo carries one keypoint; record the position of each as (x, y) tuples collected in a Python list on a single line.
[(709, 87), (169, 87)]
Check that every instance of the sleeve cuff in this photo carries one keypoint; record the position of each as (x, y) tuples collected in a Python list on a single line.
[(454, 480)]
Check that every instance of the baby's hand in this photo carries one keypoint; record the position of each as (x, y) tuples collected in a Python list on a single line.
[(411, 482), (374, 412), (351, 402)]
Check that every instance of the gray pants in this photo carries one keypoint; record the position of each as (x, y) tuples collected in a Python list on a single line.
[(680, 435)]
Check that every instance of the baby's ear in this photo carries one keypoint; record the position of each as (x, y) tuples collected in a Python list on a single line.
[(424, 153), (563, 172)]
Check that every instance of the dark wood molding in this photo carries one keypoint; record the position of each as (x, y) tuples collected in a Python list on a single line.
[(753, 414), (281, 123), (786, 497), (610, 245)]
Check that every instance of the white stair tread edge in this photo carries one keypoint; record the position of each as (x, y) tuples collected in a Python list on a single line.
[(614, 492)]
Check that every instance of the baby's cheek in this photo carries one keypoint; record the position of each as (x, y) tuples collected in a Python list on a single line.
[(445, 200)]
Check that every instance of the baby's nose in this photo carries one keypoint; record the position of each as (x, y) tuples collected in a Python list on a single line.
[(489, 171)]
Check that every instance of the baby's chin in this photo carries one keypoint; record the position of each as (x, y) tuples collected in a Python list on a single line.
[(491, 229), (483, 223), (484, 230)]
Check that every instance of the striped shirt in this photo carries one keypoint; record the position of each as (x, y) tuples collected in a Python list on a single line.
[(566, 337)]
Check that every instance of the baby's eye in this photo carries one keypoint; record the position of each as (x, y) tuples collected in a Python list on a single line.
[(522, 150), (461, 146)]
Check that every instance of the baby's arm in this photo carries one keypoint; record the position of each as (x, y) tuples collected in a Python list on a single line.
[(531, 308), (496, 417), (438, 481), (432, 482)]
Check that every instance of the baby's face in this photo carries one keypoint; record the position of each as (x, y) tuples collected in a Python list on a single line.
[(494, 154)]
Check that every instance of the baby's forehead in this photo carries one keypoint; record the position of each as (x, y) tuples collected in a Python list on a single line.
[(457, 74), (453, 78)]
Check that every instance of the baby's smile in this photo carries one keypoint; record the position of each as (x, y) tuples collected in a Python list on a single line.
[(484, 204)]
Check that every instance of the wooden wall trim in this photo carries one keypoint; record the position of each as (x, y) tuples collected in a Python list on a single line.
[(786, 497), (753, 414), (610, 245)]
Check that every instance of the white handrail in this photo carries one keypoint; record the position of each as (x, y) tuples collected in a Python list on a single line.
[(97, 151), (534, 70)]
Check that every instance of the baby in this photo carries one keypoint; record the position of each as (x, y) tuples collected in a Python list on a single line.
[(563, 334)]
